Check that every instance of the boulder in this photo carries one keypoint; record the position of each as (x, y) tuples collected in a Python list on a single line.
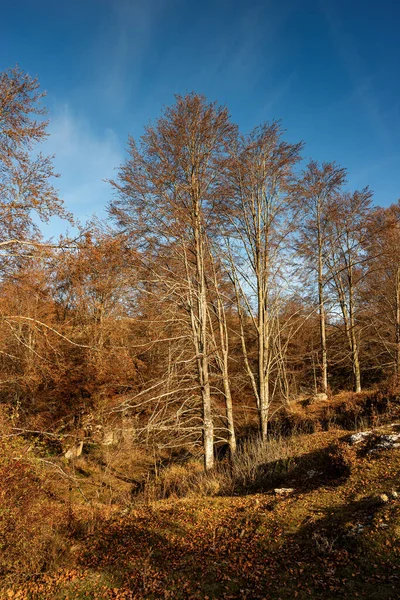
[(283, 491), (74, 451), (111, 438), (321, 397)]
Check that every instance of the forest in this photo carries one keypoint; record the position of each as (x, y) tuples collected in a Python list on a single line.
[(234, 289)]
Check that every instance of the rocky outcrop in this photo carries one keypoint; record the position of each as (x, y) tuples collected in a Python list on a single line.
[(378, 439)]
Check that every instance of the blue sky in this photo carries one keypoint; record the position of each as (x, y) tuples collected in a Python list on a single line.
[(330, 69)]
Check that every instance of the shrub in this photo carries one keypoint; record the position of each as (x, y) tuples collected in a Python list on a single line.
[(30, 539), (289, 422), (341, 459)]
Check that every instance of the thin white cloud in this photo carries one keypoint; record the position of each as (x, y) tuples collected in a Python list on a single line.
[(84, 158), (121, 49)]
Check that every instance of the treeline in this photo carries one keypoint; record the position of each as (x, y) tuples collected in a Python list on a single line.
[(229, 279)]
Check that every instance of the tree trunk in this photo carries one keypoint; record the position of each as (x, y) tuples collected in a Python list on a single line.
[(398, 326), (353, 335), (322, 316), (202, 346), (229, 408), (263, 383)]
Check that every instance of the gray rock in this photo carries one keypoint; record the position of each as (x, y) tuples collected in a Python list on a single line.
[(283, 491), (356, 438)]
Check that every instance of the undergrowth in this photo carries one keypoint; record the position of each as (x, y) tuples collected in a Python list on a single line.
[(46, 520)]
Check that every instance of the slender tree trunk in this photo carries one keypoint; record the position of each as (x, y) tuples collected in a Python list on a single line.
[(242, 325), (229, 406), (349, 327), (353, 335), (223, 332), (398, 325), (202, 346), (263, 383), (222, 354), (322, 315)]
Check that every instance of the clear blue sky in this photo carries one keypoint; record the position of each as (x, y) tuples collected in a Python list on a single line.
[(330, 69)]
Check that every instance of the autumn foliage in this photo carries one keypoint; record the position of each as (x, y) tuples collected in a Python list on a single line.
[(229, 306)]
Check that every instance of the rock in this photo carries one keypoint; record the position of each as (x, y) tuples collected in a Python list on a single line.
[(356, 530), (74, 451), (389, 441), (320, 397), (381, 499), (110, 438), (394, 494), (386, 442), (378, 441), (356, 438), (283, 491)]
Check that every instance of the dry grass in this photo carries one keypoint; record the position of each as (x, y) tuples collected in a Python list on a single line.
[(255, 465), (31, 521), (324, 541), (46, 520)]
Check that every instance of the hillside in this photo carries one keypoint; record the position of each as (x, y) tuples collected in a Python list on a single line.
[(336, 534)]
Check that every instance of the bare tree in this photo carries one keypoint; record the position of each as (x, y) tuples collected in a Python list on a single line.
[(317, 188), (168, 198), (347, 260), (382, 288), (260, 180)]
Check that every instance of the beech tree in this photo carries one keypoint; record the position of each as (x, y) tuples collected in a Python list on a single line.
[(316, 191), (348, 219), (94, 283), (260, 179), (26, 186), (27, 196), (382, 289), (168, 197)]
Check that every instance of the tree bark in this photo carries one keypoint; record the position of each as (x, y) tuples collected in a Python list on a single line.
[(322, 316)]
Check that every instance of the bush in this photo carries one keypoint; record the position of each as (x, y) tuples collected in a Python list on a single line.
[(30, 538), (289, 422), (254, 466), (340, 460)]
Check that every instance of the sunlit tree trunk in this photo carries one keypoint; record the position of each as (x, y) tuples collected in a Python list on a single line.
[(321, 307)]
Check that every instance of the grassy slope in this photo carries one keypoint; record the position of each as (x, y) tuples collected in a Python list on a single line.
[(306, 545)]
